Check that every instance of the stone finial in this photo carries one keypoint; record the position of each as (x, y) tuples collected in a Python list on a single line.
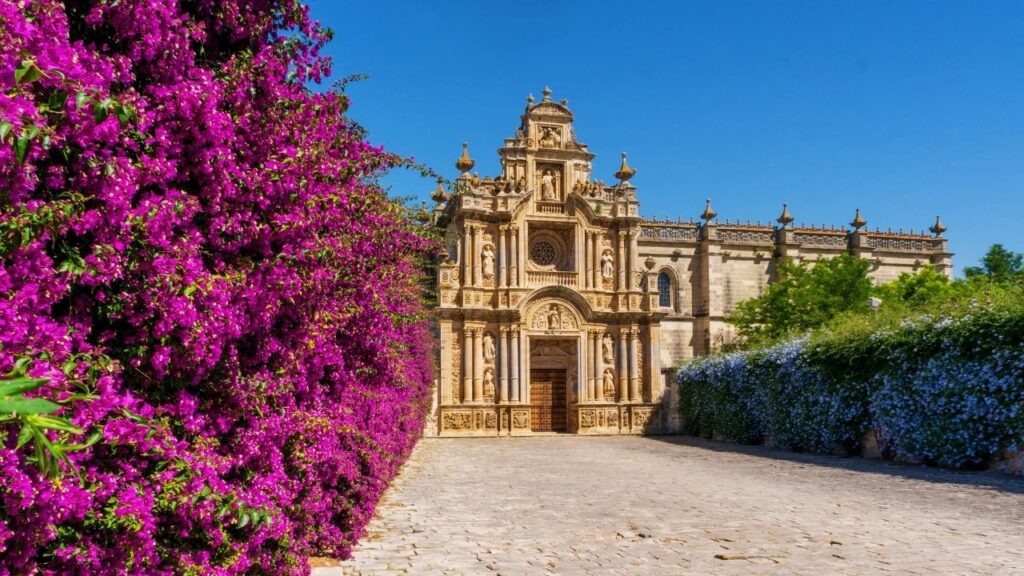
[(625, 172), (650, 263), (709, 213), (938, 228), (465, 163), (858, 221), (547, 94), (439, 195), (785, 218), (422, 214)]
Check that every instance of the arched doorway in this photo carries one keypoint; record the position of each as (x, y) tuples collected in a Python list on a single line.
[(554, 333)]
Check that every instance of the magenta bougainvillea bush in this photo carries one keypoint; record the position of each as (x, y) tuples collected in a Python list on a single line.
[(213, 352)]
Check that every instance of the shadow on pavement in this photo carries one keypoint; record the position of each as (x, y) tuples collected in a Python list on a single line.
[(986, 478)]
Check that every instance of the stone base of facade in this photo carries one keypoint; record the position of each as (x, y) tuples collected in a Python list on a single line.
[(464, 420), (609, 418)]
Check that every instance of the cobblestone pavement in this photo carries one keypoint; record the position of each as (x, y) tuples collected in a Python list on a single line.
[(647, 506)]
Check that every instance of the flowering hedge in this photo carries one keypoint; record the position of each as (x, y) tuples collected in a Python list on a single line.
[(947, 391), (209, 314)]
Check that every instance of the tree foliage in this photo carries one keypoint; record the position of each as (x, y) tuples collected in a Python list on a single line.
[(999, 265), (803, 296)]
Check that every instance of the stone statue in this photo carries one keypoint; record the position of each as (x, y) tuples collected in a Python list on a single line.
[(489, 383), (609, 384), (607, 265), (606, 348), (487, 256), (548, 138), (488, 346), (547, 186), (554, 318)]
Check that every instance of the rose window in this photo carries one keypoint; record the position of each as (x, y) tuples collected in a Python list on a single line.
[(543, 253)]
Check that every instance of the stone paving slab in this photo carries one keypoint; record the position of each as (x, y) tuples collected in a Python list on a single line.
[(570, 505)]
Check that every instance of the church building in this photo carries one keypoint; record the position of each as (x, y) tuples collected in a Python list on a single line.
[(561, 309)]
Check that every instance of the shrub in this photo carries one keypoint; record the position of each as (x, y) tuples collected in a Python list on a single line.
[(945, 390), (199, 265)]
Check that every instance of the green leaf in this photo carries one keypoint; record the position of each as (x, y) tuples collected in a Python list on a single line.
[(80, 99), (5, 129), (243, 521), (25, 435), (53, 423), (101, 110), (21, 145), (20, 366), (10, 387), (57, 100), (27, 72), (27, 406)]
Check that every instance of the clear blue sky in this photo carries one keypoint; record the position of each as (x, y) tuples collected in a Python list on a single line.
[(905, 110)]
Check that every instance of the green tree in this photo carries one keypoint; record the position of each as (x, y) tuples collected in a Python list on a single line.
[(915, 291), (804, 297), (998, 265)]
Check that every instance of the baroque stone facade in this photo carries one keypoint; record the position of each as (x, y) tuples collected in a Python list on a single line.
[(561, 309)]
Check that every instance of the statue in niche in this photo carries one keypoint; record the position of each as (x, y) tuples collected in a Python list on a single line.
[(488, 346), (607, 265), (549, 137), (606, 348), (489, 383), (487, 256), (554, 318), (609, 384), (547, 186)]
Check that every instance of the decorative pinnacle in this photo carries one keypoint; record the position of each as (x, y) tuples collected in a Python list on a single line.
[(439, 195), (709, 213), (785, 218), (858, 221), (465, 163), (547, 94), (625, 172), (650, 263), (938, 228)]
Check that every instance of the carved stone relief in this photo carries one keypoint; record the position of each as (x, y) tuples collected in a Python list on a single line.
[(457, 421), (553, 318), (521, 420)]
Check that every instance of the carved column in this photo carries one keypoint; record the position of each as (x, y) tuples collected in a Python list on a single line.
[(634, 249), (502, 279), (628, 257), (478, 277), (478, 365), (597, 253), (466, 269), (634, 372), (515, 363), (467, 365), (502, 362), (515, 257), (591, 355), (623, 366), (599, 365), (622, 261), (588, 259)]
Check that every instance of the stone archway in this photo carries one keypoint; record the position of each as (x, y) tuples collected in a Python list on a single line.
[(554, 329)]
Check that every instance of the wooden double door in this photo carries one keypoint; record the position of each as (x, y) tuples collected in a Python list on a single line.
[(547, 400)]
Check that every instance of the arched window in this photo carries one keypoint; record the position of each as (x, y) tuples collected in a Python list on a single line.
[(664, 290)]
